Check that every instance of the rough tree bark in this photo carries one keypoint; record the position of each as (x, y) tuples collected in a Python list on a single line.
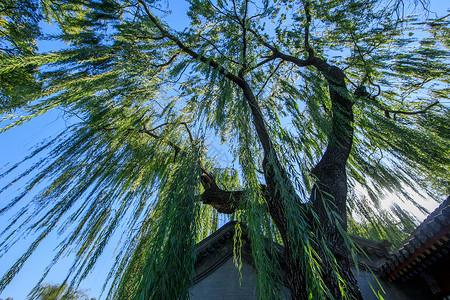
[(331, 184)]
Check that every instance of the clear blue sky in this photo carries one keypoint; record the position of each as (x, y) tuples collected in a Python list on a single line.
[(15, 144)]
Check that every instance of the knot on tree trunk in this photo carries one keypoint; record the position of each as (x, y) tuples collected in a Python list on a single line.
[(225, 202)]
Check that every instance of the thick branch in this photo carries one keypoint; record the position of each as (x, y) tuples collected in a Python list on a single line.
[(244, 41), (258, 119), (308, 48), (225, 202), (341, 136), (331, 168)]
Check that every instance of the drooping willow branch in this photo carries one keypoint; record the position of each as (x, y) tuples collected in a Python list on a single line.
[(218, 50), (258, 119), (309, 49), (271, 164), (243, 22), (150, 133), (223, 201)]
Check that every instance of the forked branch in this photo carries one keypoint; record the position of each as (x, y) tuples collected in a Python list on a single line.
[(172, 123), (362, 92)]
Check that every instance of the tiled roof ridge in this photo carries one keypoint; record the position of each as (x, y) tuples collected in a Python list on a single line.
[(222, 234), (427, 220), (217, 236), (227, 231), (435, 227)]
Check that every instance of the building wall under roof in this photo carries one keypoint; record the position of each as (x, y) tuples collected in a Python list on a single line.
[(413, 290), (223, 284), (217, 277)]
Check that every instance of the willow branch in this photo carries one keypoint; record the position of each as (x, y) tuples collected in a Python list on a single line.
[(147, 132), (263, 11), (189, 51), (168, 62), (172, 123), (150, 38), (11, 40), (402, 112), (231, 17), (244, 41), (361, 92), (308, 48), (266, 60), (262, 41), (277, 54), (268, 78), (218, 51), (175, 147), (415, 88)]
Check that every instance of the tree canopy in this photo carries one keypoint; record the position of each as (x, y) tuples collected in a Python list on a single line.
[(324, 105)]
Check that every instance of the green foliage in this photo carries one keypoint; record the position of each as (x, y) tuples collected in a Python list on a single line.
[(143, 109), (393, 226), (18, 32), (58, 292), (162, 265)]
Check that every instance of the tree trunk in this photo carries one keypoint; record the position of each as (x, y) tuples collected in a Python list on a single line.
[(329, 194), (330, 191)]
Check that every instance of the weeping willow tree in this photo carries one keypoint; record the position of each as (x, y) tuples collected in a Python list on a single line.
[(311, 98)]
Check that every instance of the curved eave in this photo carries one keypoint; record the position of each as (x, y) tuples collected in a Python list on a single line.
[(423, 247)]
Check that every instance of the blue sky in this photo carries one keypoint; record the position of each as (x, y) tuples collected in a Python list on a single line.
[(15, 144)]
